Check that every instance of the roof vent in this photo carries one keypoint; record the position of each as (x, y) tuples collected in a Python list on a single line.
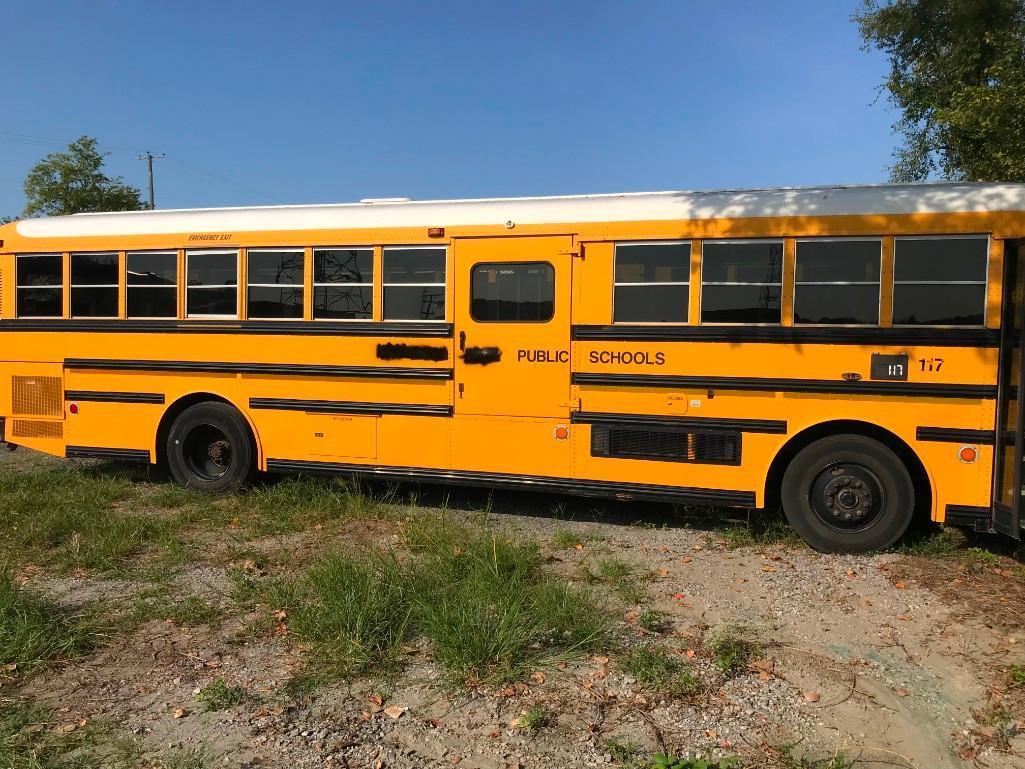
[(385, 200)]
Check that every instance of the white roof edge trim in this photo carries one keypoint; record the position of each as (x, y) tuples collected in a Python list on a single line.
[(926, 198)]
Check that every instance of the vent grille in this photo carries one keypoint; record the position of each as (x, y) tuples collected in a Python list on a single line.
[(38, 396), (27, 428), (704, 447)]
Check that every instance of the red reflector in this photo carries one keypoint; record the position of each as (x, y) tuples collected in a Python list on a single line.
[(435, 232), (968, 454), (73, 408)]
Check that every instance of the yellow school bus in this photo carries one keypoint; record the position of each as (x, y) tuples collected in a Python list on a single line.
[(849, 353)]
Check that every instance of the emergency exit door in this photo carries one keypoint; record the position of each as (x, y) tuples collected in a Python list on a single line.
[(1007, 465)]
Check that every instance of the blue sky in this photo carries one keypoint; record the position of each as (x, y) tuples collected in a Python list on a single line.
[(265, 102)]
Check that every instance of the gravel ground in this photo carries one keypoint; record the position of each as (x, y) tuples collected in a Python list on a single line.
[(854, 657)]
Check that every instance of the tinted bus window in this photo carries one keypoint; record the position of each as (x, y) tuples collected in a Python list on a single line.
[(741, 281), (152, 284), (275, 283), (517, 293), (652, 283), (837, 282), (343, 283), (414, 283), (940, 281), (40, 285)]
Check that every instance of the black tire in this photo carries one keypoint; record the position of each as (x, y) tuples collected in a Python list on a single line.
[(848, 494), (209, 448)]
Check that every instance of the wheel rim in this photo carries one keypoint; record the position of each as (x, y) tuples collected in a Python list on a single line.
[(207, 452), (847, 497)]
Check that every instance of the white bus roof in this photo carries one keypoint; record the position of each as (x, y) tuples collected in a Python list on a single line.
[(927, 198)]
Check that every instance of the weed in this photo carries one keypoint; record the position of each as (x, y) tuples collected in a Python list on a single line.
[(534, 718), (624, 753), (488, 610), (1016, 676), (218, 695), (662, 671), (564, 539), (32, 629), (731, 648), (759, 529), (31, 739), (618, 575), (977, 556), (935, 543), (353, 611), (670, 761), (653, 621), (188, 758), (159, 603), (785, 757)]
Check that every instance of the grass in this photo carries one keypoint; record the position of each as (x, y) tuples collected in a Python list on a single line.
[(480, 599), (731, 648), (654, 621), (671, 761), (218, 695), (353, 611), (33, 629), (188, 758), (624, 753), (564, 539), (661, 671)]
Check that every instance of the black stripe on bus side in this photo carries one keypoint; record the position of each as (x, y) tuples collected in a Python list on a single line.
[(351, 407), (766, 384), (977, 518), (112, 397), (98, 452), (198, 326), (208, 367), (771, 426), (932, 337), (640, 491), (955, 435)]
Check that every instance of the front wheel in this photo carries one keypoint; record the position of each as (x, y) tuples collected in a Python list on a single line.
[(848, 494), (209, 448)]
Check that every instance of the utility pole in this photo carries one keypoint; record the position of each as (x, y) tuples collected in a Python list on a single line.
[(149, 157)]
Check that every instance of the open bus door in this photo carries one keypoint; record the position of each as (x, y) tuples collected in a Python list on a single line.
[(1007, 459)]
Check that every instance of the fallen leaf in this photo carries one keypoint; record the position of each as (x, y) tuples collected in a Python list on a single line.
[(767, 568), (711, 733), (280, 614), (698, 548), (766, 666), (902, 692), (812, 696), (905, 617), (65, 728), (377, 699), (495, 734), (180, 712), (395, 711), (690, 653), (900, 585), (10, 667), (600, 660), (578, 546), (663, 572), (866, 602), (537, 677), (764, 676), (686, 559)]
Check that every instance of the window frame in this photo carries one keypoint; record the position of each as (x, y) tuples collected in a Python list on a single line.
[(984, 283), (781, 241), (616, 283), (189, 253), (72, 285), (879, 283), (18, 286), (542, 262), (373, 263), (385, 286), (301, 285), (174, 288)]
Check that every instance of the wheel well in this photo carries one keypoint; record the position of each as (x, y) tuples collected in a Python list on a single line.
[(920, 479), (185, 402)]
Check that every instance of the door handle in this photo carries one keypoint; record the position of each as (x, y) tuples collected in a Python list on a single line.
[(482, 355), (462, 341)]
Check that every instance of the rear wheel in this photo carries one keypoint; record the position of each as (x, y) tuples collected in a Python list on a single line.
[(209, 448), (849, 494)]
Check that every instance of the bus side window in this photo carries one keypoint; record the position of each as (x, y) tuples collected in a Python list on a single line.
[(414, 283), (343, 283), (940, 281), (652, 282), (275, 283), (211, 284), (152, 284), (94, 285), (741, 281), (39, 279), (837, 281)]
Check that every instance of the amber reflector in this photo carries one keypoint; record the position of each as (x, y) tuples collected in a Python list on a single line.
[(435, 232)]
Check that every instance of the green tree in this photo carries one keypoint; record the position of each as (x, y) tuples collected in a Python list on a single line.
[(73, 182), (957, 75)]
